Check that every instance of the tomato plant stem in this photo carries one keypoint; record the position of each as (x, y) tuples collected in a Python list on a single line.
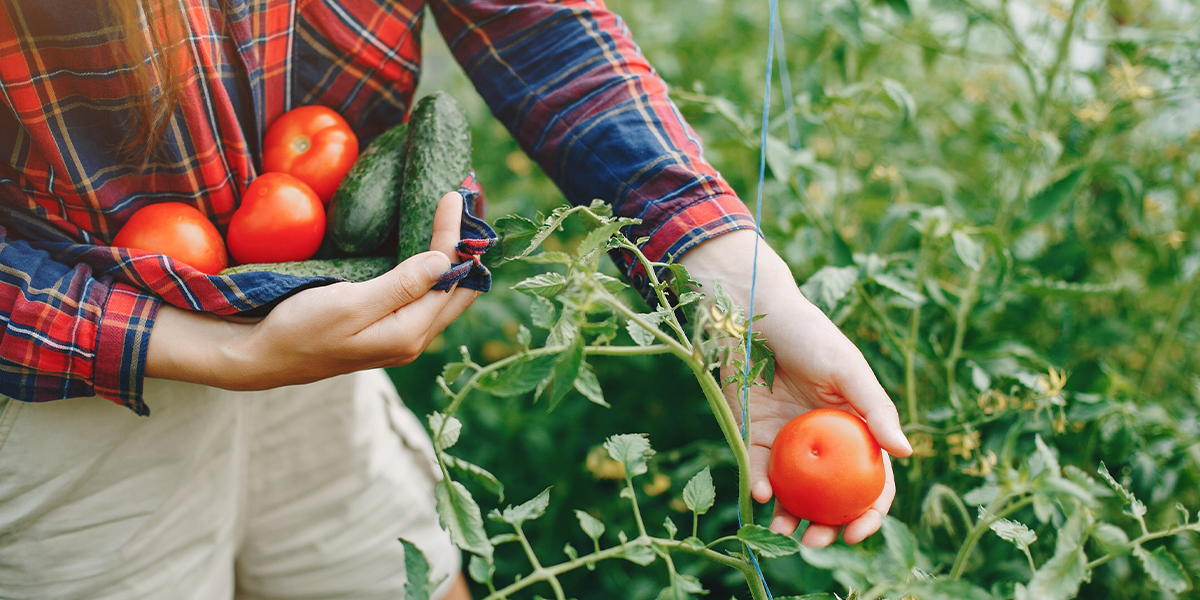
[(981, 527), (1168, 532)]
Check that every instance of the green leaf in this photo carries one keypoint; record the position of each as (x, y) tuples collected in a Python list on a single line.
[(766, 542), (481, 570), (445, 430), (524, 336), (641, 335), (639, 554), (1112, 539), (458, 512), (699, 494), (969, 251), (900, 96), (1060, 577), (589, 386), (1047, 201), (901, 545), (452, 371), (570, 551), (475, 473), (518, 378), (416, 569), (763, 358), (670, 526), (549, 257), (545, 285), (829, 285), (631, 450), (901, 7), (687, 584), (1049, 459), (1164, 569), (845, 19), (590, 525), (1016, 532), (612, 284), (604, 331), (904, 288), (542, 312), (515, 233), (1136, 508), (1052, 288), (562, 379), (549, 225), (596, 239), (681, 279), (516, 515)]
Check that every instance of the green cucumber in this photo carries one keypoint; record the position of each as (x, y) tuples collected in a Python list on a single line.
[(352, 269), (436, 161), (363, 211)]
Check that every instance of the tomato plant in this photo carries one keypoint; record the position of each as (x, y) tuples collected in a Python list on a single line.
[(177, 230), (313, 144), (280, 219), (826, 467)]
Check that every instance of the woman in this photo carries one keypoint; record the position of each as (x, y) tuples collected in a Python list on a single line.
[(298, 482)]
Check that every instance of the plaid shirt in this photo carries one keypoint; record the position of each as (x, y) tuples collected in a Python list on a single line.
[(564, 77)]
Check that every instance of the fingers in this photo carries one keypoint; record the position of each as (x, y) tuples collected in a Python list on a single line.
[(866, 525), (862, 389), (782, 521), (819, 536), (447, 224)]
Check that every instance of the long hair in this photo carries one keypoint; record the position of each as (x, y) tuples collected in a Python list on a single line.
[(149, 36)]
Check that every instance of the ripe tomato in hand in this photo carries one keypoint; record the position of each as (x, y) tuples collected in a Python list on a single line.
[(313, 144), (177, 230), (826, 467), (280, 220)]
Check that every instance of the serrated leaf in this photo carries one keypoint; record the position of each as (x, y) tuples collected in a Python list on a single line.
[(1164, 569), (518, 378), (687, 583), (590, 525), (1016, 532), (528, 511), (681, 279), (1049, 459), (475, 473), (1112, 539), (699, 494), (515, 233), (981, 495), (969, 251), (481, 570), (562, 378), (452, 371), (631, 450), (1060, 577), (604, 331), (904, 288), (589, 386), (542, 313), (829, 285), (670, 526), (524, 336), (445, 430), (416, 569), (595, 240), (641, 335), (766, 542), (1047, 201), (458, 513), (544, 285), (1136, 508), (549, 225)]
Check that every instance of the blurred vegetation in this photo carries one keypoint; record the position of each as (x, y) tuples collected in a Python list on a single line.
[(997, 200)]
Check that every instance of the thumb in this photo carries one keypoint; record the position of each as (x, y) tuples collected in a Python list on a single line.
[(401, 286)]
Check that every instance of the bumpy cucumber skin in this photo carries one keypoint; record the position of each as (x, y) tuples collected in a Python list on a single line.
[(437, 160), (352, 269), (363, 210)]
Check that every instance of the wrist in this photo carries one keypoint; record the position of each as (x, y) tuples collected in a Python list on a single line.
[(195, 347)]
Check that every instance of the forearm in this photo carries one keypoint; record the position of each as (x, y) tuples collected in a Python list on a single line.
[(195, 347)]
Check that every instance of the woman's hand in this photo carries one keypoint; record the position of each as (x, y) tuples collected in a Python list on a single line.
[(816, 366), (320, 332)]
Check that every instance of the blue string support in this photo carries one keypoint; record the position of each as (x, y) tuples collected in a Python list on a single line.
[(762, 173)]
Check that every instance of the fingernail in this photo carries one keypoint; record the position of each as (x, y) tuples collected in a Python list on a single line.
[(898, 439), (435, 265)]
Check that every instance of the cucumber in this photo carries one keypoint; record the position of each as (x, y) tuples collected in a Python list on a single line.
[(363, 210), (352, 269), (437, 160)]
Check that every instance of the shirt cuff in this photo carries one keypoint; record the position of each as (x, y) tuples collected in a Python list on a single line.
[(671, 236), (121, 346)]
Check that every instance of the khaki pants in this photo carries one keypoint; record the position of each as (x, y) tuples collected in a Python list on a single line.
[(297, 492)]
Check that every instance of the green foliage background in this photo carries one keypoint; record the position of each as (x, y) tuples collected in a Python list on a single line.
[(977, 231)]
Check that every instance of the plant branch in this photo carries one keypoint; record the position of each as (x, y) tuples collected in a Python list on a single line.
[(981, 527), (1170, 531)]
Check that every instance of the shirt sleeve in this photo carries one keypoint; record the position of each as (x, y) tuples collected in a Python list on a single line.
[(575, 91), (67, 333)]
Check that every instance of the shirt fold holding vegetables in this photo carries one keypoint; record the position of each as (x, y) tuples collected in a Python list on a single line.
[(564, 78)]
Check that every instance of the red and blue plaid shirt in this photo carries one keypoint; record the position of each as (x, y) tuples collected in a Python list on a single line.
[(564, 77)]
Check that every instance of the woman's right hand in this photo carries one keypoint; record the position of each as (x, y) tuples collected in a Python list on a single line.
[(319, 332)]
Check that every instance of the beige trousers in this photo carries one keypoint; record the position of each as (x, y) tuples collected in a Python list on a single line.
[(297, 492)]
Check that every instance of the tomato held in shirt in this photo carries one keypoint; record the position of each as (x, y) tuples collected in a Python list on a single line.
[(280, 220), (313, 144), (826, 467), (177, 230)]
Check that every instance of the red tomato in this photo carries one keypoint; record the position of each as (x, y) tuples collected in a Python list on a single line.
[(826, 467), (313, 144), (177, 230), (280, 220)]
